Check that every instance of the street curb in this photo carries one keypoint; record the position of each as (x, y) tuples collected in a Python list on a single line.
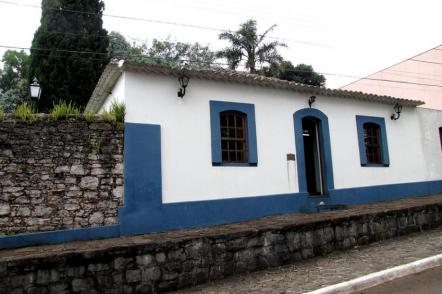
[(381, 277)]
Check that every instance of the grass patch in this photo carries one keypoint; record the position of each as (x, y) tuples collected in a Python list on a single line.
[(89, 116), (108, 116), (115, 114), (119, 111), (63, 110), (25, 113), (2, 114)]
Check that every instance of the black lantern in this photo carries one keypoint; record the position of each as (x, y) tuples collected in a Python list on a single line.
[(35, 89), (311, 100), (184, 81), (397, 109)]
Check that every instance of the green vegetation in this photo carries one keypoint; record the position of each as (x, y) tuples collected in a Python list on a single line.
[(301, 73), (62, 110), (119, 110), (96, 146), (63, 72), (2, 114), (247, 44), (25, 113), (108, 116), (89, 116), (115, 114), (162, 52), (14, 79)]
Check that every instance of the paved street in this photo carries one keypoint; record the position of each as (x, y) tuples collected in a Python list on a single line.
[(427, 282), (332, 269)]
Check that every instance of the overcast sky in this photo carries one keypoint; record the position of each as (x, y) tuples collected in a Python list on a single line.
[(347, 37)]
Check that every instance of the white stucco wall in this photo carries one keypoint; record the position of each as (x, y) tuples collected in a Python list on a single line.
[(187, 171), (430, 122), (117, 94)]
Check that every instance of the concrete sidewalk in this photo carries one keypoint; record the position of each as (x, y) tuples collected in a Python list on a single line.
[(335, 268)]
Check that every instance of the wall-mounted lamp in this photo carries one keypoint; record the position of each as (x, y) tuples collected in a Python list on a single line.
[(35, 89), (184, 81), (311, 100), (398, 109)]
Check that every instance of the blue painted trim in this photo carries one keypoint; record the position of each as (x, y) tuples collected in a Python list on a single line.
[(205, 213), (216, 107), (144, 212), (145, 218), (142, 165), (236, 164), (298, 116), (380, 121), (54, 237)]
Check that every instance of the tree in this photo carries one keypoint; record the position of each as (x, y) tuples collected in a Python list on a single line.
[(302, 73), (13, 79), (119, 47), (167, 52), (176, 54), (15, 69), (247, 45), (68, 52)]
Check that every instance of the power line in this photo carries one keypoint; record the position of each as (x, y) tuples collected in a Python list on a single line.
[(426, 61), (412, 76), (215, 63), (413, 72), (60, 9), (57, 50), (394, 87), (106, 54)]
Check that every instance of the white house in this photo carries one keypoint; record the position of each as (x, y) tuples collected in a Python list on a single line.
[(238, 146)]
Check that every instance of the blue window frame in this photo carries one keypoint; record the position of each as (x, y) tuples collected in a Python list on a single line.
[(247, 110), (372, 139)]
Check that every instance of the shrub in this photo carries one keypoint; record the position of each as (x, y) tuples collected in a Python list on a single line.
[(25, 113), (2, 114), (64, 110), (89, 116), (119, 110)]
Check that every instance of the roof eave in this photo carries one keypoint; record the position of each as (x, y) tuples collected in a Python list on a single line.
[(114, 70), (104, 87)]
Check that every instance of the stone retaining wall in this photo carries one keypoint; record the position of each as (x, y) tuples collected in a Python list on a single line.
[(59, 175), (163, 262)]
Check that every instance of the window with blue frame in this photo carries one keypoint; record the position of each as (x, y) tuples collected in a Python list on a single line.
[(233, 134), (372, 139)]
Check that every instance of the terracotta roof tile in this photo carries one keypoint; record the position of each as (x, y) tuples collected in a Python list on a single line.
[(113, 71)]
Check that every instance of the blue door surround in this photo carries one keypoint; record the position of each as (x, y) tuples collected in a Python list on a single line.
[(322, 119)]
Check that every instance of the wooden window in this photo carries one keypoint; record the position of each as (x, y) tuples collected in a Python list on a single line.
[(234, 137), (372, 139)]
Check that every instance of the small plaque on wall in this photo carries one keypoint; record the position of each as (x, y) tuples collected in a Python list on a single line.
[(291, 157)]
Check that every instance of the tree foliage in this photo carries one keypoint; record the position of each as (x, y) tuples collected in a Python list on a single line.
[(248, 45), (178, 54), (301, 73), (58, 57), (165, 52), (13, 79), (119, 47), (15, 69)]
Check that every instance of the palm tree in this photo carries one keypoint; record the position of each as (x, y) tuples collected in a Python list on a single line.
[(248, 45)]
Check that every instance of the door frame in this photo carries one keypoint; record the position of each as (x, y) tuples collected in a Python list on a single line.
[(324, 133)]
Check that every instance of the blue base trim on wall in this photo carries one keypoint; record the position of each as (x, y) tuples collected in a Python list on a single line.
[(63, 236), (144, 212), (139, 216)]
